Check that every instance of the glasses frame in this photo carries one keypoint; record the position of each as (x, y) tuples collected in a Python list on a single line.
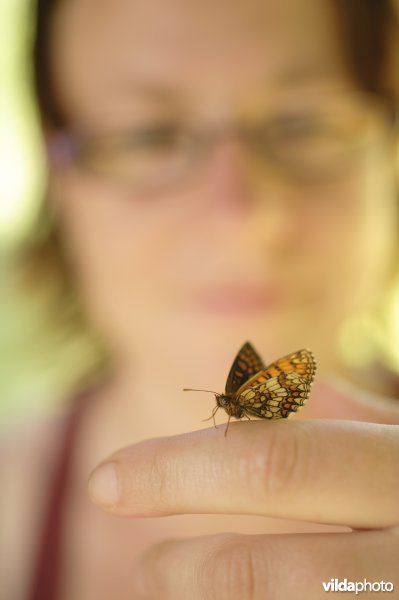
[(68, 145)]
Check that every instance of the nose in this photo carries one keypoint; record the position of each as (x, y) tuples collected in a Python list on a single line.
[(237, 183), (246, 198), (229, 177)]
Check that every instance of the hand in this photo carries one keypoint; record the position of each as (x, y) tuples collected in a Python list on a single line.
[(324, 471)]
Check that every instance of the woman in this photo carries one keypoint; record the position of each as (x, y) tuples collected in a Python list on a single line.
[(218, 172)]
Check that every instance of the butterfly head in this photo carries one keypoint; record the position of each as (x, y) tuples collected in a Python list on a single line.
[(229, 404), (222, 400)]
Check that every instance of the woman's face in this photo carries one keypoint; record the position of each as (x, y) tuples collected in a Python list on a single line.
[(229, 249)]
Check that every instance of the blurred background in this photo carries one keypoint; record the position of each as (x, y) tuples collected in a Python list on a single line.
[(36, 368), (21, 183)]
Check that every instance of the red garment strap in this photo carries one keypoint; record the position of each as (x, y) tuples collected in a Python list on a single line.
[(45, 581)]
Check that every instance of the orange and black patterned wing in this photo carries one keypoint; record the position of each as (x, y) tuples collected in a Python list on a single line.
[(246, 364), (272, 399), (281, 388), (301, 362)]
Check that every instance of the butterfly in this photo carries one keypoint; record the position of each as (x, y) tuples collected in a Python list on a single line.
[(272, 392)]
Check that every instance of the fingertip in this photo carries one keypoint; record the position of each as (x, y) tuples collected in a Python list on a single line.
[(103, 486)]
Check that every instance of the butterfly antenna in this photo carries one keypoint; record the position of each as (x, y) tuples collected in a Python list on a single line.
[(192, 390)]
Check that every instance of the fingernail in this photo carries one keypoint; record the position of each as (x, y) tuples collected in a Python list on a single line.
[(103, 485)]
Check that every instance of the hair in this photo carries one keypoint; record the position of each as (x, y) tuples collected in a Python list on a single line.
[(370, 38)]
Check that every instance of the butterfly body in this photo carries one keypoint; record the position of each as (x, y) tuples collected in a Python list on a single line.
[(230, 404)]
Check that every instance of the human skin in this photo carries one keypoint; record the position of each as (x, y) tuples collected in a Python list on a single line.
[(142, 262), (295, 470)]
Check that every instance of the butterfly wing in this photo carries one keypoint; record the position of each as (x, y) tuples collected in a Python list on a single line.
[(246, 364), (301, 362), (281, 388)]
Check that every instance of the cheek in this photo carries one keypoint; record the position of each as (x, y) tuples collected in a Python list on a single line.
[(121, 251), (353, 235)]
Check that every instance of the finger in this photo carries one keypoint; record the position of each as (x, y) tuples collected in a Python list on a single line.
[(276, 567), (334, 397), (335, 472)]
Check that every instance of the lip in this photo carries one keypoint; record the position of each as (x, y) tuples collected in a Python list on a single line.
[(238, 299)]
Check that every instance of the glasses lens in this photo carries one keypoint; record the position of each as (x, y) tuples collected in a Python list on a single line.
[(320, 142), (147, 156)]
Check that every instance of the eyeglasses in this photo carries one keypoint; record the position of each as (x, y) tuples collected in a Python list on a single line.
[(316, 140)]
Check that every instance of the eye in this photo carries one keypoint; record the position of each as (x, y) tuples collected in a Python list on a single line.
[(157, 138), (293, 129)]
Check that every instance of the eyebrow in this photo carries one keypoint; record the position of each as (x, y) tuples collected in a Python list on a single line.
[(290, 75), (154, 91), (293, 74)]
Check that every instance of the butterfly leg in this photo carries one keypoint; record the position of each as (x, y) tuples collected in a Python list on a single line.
[(227, 426), (212, 416)]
